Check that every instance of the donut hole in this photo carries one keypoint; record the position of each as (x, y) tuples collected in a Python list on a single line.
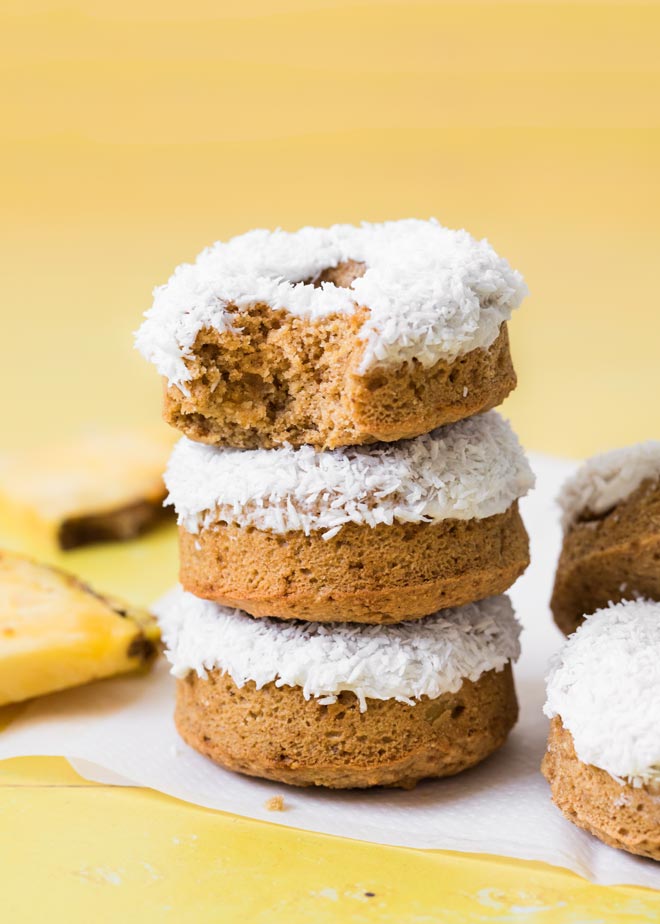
[(341, 275)]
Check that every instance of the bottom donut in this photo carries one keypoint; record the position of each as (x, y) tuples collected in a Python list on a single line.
[(343, 705)]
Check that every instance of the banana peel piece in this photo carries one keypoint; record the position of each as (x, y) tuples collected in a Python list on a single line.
[(55, 632)]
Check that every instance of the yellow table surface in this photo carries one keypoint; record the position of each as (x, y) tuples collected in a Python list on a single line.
[(133, 134)]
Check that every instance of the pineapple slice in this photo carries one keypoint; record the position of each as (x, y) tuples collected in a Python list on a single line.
[(100, 487), (56, 633)]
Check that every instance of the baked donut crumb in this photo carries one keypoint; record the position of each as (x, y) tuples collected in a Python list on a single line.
[(333, 336)]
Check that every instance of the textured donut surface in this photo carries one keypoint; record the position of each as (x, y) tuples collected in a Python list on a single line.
[(605, 688), (605, 480), (619, 814), (404, 662), (274, 732), (472, 469), (430, 293)]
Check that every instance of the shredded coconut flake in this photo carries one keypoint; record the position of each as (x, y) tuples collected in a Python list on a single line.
[(605, 480), (471, 469), (424, 657), (432, 293), (605, 687)]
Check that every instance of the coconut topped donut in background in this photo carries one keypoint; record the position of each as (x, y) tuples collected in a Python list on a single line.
[(605, 687), (605, 480), (342, 705), (377, 533), (611, 546), (333, 336), (603, 697)]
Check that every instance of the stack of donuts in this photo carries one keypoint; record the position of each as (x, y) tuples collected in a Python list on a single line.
[(347, 501)]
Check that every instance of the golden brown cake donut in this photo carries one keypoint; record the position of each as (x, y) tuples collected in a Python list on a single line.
[(611, 547), (333, 336), (603, 757), (343, 706), (618, 814), (366, 534), (277, 734), (363, 574)]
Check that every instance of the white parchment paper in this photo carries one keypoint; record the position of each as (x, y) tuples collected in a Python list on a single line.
[(121, 731)]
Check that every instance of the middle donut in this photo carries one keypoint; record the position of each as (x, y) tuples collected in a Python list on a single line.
[(375, 534)]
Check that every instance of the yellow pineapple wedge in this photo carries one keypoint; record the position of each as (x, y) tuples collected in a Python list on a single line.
[(99, 487), (55, 632)]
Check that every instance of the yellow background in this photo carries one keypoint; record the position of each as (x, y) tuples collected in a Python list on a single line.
[(135, 133)]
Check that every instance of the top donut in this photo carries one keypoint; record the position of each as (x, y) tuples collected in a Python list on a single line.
[(333, 336)]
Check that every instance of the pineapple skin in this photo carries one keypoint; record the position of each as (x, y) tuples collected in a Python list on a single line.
[(55, 632)]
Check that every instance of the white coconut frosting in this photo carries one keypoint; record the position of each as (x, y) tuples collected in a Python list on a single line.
[(424, 657), (471, 469), (605, 480), (432, 293), (605, 687)]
